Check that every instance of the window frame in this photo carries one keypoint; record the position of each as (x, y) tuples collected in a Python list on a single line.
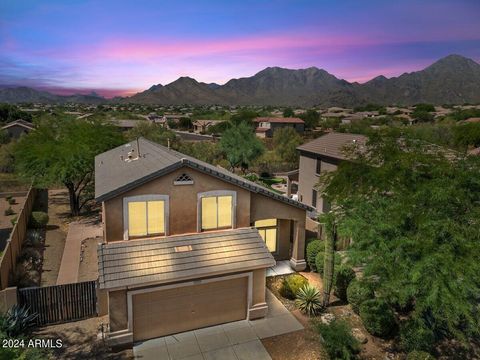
[(216, 193), (146, 198), (318, 166), (314, 198), (276, 227)]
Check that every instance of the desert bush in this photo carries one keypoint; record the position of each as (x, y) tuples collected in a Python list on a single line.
[(415, 335), (29, 253), (338, 340), (419, 355), (13, 220), (291, 284), (343, 277), (378, 318), (357, 292), (26, 275), (308, 300), (11, 200), (38, 219), (34, 238), (17, 321), (313, 248), (9, 211), (320, 258)]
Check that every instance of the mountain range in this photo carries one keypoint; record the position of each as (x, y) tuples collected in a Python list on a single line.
[(451, 80)]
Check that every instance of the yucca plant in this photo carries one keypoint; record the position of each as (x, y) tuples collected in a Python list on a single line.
[(18, 321), (309, 301)]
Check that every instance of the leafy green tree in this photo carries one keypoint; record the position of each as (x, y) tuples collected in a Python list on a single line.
[(422, 116), (467, 135), (4, 137), (63, 152), (285, 142), (12, 112), (185, 123), (425, 107), (153, 132), (202, 150), (288, 112), (413, 213), (240, 146), (311, 118)]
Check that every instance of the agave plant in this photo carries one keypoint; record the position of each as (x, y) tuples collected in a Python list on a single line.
[(309, 301), (18, 320)]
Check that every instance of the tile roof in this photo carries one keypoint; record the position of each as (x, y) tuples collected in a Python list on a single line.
[(292, 120), (19, 122), (114, 175), (174, 258), (333, 144)]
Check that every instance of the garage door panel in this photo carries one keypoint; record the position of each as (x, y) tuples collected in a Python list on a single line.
[(170, 311)]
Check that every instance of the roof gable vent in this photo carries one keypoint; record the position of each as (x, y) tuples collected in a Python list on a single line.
[(183, 179)]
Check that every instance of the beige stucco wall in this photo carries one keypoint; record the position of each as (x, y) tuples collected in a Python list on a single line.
[(258, 286), (117, 310), (308, 179), (183, 203), (183, 208)]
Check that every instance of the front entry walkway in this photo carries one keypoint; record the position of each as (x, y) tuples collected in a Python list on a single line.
[(281, 268), (77, 232), (238, 340)]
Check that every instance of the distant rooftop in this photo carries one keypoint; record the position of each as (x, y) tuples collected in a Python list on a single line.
[(333, 144), (292, 120)]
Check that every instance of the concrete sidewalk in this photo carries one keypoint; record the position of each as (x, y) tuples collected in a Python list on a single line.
[(239, 340), (77, 231)]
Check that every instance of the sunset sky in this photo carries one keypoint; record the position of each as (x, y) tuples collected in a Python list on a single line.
[(121, 47)]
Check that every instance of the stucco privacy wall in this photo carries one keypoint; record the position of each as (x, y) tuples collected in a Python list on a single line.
[(117, 306), (183, 203)]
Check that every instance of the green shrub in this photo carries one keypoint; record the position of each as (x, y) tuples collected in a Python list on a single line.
[(415, 335), (13, 220), (38, 219), (320, 261), (313, 248), (291, 284), (308, 300), (343, 277), (419, 355), (11, 201), (357, 292), (378, 318), (9, 211), (18, 321), (338, 340)]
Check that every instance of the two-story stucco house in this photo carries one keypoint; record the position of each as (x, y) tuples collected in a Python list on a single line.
[(266, 126), (186, 244), (322, 154)]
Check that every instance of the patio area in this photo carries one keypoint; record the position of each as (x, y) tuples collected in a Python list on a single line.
[(238, 340)]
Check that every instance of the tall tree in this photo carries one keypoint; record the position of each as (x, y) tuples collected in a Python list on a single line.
[(285, 142), (62, 151), (240, 146), (288, 112), (153, 132), (413, 213)]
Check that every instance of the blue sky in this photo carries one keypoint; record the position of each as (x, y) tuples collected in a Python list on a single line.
[(120, 47)]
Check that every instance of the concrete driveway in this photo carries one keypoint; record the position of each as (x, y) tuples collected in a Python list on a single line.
[(238, 340)]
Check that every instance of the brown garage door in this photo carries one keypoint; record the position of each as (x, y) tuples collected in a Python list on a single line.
[(165, 312)]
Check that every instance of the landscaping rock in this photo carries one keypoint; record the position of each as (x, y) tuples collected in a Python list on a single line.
[(327, 318), (359, 335)]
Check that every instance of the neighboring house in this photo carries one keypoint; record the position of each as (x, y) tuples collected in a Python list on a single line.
[(201, 126), (187, 244), (125, 124), (322, 154), (266, 126), (17, 128)]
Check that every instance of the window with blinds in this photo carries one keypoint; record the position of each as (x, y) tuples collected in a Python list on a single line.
[(217, 212), (146, 218), (268, 231)]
